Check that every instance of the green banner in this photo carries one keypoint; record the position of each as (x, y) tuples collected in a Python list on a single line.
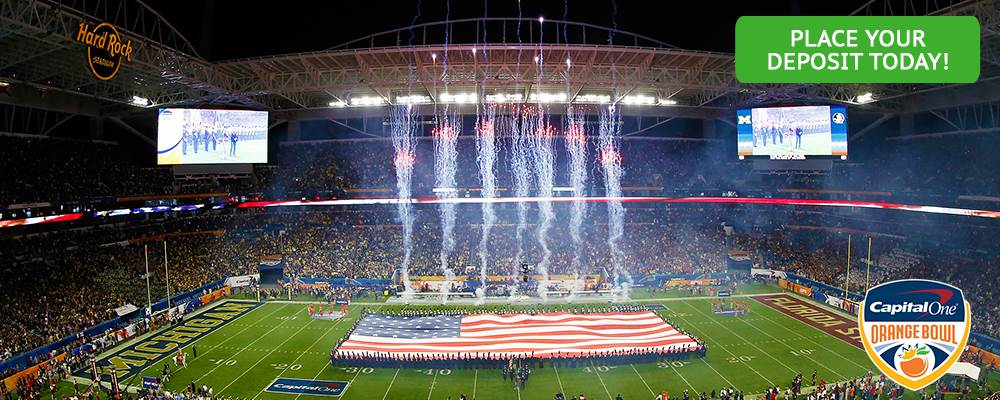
[(934, 49)]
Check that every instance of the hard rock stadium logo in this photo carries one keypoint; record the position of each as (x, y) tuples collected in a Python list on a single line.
[(914, 330), (106, 50)]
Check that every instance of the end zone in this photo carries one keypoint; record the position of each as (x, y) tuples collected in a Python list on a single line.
[(834, 324), (135, 357)]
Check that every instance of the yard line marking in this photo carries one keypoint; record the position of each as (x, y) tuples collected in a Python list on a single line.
[(643, 380), (474, 382), (206, 336), (431, 391), (600, 379), (741, 337), (218, 345), (678, 372), (331, 329), (730, 353), (345, 389), (775, 340), (237, 353), (265, 356), (727, 379), (561, 390), (393, 381), (825, 335), (355, 375)]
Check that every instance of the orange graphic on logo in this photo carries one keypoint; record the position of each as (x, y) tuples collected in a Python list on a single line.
[(912, 365)]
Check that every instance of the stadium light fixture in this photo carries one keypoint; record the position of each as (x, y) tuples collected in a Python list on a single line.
[(413, 99), (593, 98), (542, 97), (639, 99), (541, 19), (338, 104), (434, 57), (458, 98), (365, 101), (863, 98), (140, 101), (668, 102), (568, 62), (504, 98), (473, 51), (536, 59)]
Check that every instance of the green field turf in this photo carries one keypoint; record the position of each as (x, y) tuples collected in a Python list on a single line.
[(750, 353)]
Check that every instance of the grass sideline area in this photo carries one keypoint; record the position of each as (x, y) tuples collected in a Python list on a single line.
[(279, 339)]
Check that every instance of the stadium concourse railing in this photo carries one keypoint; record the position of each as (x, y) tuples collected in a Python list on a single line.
[(26, 360), (836, 297)]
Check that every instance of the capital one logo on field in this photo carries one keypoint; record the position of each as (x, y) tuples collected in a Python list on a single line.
[(914, 330)]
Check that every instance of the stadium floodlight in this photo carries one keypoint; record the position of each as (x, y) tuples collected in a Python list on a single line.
[(434, 57), (413, 99), (864, 98), (140, 101), (338, 104), (364, 101), (668, 102), (568, 63), (543, 97), (473, 51), (639, 99), (593, 98), (541, 20), (458, 98), (504, 98), (536, 59)]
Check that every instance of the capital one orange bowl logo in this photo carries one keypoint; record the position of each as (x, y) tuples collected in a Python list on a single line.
[(914, 330)]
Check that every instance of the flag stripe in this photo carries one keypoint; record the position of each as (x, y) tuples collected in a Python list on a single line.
[(543, 335)]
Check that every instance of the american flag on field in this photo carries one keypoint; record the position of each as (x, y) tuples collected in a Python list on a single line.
[(545, 335)]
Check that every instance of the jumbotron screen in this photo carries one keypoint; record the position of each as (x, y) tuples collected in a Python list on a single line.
[(792, 132), (193, 136)]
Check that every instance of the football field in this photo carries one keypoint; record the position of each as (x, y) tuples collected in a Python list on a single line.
[(766, 347)]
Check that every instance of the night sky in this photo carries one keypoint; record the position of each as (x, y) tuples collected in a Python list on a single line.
[(228, 29)]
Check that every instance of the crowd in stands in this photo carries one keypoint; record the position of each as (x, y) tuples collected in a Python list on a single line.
[(68, 280), (62, 170), (822, 256), (53, 284)]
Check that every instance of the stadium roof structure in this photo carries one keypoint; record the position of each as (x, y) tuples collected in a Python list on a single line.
[(43, 65)]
